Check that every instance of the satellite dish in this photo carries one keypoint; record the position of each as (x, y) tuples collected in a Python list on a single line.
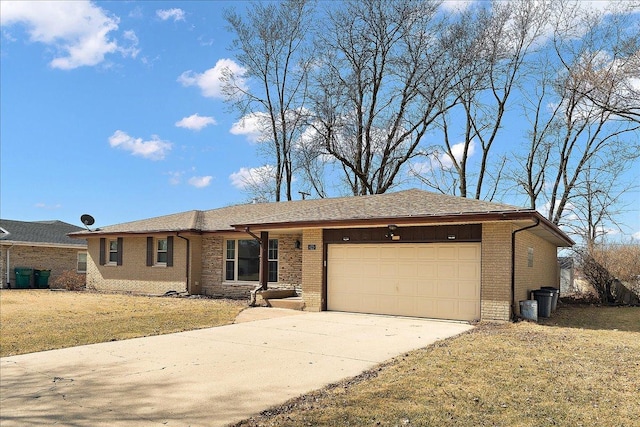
[(87, 220)]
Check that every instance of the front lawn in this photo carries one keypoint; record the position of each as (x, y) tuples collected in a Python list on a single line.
[(37, 320), (579, 368)]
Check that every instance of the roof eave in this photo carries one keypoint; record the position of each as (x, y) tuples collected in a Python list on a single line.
[(44, 244), (87, 234), (472, 217)]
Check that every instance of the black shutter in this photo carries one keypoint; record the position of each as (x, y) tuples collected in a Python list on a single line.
[(170, 251), (149, 251), (120, 239), (103, 248)]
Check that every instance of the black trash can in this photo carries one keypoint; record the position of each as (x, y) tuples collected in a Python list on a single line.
[(545, 299), (556, 295)]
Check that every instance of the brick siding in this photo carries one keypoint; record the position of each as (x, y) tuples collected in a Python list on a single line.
[(495, 294), (133, 275), (544, 271), (312, 269), (55, 259)]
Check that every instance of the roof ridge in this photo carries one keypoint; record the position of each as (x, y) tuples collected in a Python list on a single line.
[(198, 220)]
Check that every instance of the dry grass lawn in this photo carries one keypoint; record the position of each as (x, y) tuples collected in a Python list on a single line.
[(34, 320), (579, 368)]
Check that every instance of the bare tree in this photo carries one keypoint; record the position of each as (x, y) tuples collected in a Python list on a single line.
[(271, 41), (380, 81), (576, 146), (493, 44), (596, 201)]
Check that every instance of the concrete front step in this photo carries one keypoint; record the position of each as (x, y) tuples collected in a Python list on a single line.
[(292, 303)]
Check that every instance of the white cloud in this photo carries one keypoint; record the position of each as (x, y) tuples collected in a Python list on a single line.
[(253, 126), (47, 207), (636, 235), (458, 152), (200, 181), (132, 50), (196, 122), (211, 81), (154, 149), (439, 160), (456, 6), (175, 13), (175, 178), (252, 177), (78, 30)]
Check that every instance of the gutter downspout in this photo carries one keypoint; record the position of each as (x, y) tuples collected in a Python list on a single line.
[(513, 266), (9, 267), (188, 259)]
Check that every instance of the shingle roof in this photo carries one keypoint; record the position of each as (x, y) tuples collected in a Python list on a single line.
[(402, 204), (39, 232)]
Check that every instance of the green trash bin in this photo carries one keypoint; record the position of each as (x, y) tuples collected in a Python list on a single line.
[(41, 279), (23, 277)]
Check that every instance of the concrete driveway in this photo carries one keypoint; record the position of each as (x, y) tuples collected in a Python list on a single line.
[(208, 377)]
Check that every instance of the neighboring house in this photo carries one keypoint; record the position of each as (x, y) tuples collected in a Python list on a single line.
[(410, 253), (43, 245)]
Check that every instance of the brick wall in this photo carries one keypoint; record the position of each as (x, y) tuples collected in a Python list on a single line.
[(195, 265), (212, 277), (544, 271), (496, 268), (312, 269), (133, 275), (38, 257), (496, 271)]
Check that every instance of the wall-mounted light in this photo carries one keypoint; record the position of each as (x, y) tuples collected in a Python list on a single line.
[(390, 234), (298, 244), (345, 238), (451, 237)]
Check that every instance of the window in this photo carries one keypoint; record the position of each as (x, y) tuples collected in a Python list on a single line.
[(273, 260), (161, 252), (113, 252), (82, 262), (242, 260)]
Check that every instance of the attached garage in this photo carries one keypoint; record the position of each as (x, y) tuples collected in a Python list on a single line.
[(435, 280)]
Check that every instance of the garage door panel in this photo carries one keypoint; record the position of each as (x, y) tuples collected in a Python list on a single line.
[(468, 253), (446, 270), (447, 289), (426, 280), (445, 307), (469, 308), (468, 290), (427, 288), (447, 253), (427, 269), (469, 271), (426, 253)]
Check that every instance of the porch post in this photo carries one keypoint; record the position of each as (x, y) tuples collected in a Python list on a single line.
[(264, 259)]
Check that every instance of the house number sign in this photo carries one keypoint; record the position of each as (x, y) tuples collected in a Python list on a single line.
[(311, 247)]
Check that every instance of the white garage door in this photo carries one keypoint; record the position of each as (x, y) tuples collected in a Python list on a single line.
[(436, 280)]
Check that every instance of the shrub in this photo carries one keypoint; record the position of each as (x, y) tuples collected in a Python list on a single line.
[(70, 280)]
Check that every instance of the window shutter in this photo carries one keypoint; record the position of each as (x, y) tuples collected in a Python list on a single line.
[(149, 251), (170, 251), (103, 249), (120, 239)]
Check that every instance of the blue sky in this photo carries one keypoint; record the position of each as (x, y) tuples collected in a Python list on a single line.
[(119, 114), (106, 130)]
